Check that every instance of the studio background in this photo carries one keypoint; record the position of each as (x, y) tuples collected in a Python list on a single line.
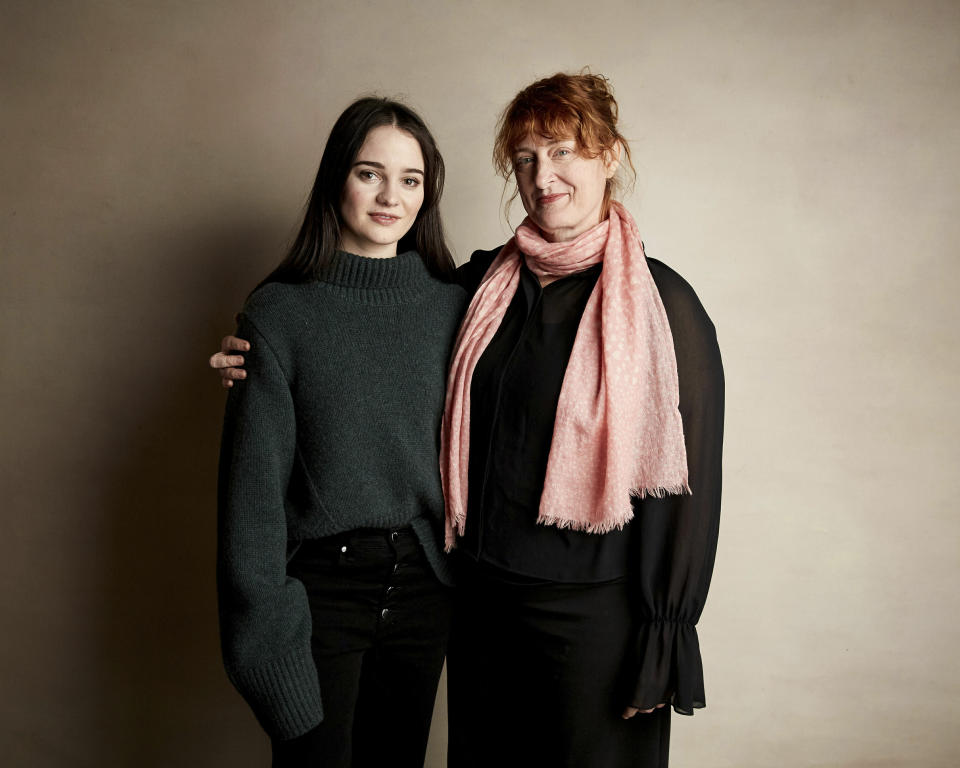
[(798, 163)]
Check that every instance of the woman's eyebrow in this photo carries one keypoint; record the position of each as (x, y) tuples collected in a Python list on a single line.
[(382, 167), (548, 145)]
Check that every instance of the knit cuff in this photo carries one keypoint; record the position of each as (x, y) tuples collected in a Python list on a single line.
[(284, 695)]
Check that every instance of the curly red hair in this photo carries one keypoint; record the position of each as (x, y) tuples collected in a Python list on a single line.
[(564, 106)]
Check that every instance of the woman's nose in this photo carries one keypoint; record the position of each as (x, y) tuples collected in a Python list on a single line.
[(544, 174), (388, 194)]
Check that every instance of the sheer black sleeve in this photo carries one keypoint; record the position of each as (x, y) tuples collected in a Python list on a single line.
[(674, 539), (469, 274)]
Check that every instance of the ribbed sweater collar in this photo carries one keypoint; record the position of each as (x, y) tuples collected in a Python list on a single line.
[(400, 278)]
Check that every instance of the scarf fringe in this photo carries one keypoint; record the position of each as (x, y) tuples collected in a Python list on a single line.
[(617, 523), (584, 526), (452, 530), (680, 489)]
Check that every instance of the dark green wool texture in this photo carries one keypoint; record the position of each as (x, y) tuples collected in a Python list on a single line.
[(335, 428)]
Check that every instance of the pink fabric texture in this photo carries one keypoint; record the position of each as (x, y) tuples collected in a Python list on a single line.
[(618, 430)]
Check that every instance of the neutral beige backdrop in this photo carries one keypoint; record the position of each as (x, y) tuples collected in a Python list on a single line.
[(798, 163)]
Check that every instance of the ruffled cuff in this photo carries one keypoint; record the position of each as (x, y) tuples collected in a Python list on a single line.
[(284, 695), (669, 668)]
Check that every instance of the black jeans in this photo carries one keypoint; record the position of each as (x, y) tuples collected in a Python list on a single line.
[(380, 626), (538, 675)]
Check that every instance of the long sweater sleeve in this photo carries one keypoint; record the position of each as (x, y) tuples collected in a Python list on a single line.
[(265, 621), (675, 537)]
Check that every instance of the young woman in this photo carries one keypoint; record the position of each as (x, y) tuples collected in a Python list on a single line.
[(581, 459), (334, 592)]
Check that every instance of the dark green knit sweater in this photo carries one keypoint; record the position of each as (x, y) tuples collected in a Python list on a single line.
[(336, 428)]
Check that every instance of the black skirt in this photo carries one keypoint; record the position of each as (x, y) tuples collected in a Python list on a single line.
[(539, 675)]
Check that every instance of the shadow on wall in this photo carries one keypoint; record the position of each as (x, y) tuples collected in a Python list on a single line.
[(164, 697)]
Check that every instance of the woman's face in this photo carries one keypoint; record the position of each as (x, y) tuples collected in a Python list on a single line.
[(382, 194), (561, 189)]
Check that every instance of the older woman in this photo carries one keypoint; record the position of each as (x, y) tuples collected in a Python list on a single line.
[(581, 462), (580, 458)]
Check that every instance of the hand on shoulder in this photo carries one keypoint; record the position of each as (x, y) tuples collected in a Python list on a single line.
[(227, 363)]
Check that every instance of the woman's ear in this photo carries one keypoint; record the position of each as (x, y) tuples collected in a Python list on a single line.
[(611, 159)]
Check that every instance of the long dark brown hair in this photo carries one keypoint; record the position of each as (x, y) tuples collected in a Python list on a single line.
[(319, 235)]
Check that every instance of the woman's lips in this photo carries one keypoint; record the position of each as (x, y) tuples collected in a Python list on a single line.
[(548, 199), (384, 218)]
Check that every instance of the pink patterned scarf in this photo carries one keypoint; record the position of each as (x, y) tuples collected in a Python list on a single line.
[(618, 430)]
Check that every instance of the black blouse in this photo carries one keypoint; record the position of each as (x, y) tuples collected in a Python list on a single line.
[(513, 403), (667, 551)]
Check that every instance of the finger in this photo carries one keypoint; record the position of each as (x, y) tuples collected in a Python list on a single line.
[(226, 383), (234, 344), (233, 373), (220, 360), (629, 712)]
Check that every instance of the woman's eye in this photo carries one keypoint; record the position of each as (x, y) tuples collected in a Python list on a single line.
[(411, 182), (522, 162), (563, 152), (368, 175)]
